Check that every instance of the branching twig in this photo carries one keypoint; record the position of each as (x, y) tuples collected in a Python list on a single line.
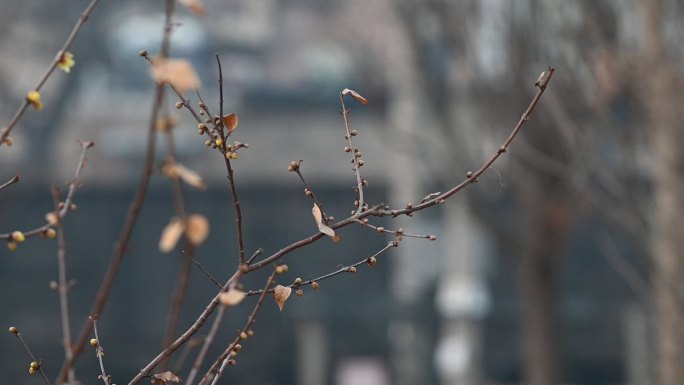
[(133, 212), (205, 346), (355, 155), (398, 232), (35, 364), (68, 200), (225, 358), (51, 68), (344, 269)]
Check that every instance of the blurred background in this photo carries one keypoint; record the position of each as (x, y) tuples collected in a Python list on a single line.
[(563, 265)]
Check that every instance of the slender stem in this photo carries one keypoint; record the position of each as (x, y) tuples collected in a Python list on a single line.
[(51, 68), (205, 346), (203, 270), (33, 358), (354, 158), (224, 359), (133, 212), (15, 179), (100, 353), (194, 328)]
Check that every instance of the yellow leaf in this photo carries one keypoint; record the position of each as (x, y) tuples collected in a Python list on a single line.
[(194, 6), (165, 378), (196, 229), (171, 234), (179, 73), (232, 297), (322, 227), (281, 294), (355, 95), (230, 121)]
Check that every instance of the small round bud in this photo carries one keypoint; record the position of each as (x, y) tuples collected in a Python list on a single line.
[(354, 133), (281, 269), (202, 113), (308, 192), (358, 154), (380, 229), (143, 53), (32, 371), (72, 207), (18, 236), (233, 353), (347, 149), (469, 174), (400, 231), (361, 162), (298, 281), (11, 246), (219, 142), (94, 343), (237, 347), (179, 105), (232, 362), (502, 149), (250, 332), (409, 205), (293, 166), (371, 261), (315, 285), (34, 365), (8, 141), (202, 106), (54, 285), (207, 142), (365, 221), (331, 219), (13, 330), (299, 292), (49, 233), (243, 335), (432, 237), (202, 127), (351, 269)]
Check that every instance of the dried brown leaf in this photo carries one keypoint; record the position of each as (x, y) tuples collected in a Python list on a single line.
[(177, 72), (172, 232), (322, 227), (195, 6), (232, 297), (165, 378), (177, 170), (230, 121), (281, 294), (357, 96), (196, 229)]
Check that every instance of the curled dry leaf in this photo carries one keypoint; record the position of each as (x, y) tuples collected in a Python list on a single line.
[(165, 378), (322, 227), (194, 6), (196, 229), (232, 297), (172, 232), (177, 170), (357, 96), (179, 73), (230, 121), (281, 294)]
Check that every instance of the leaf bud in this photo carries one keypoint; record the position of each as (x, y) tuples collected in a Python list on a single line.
[(94, 343), (142, 52), (11, 246), (469, 174), (299, 292), (243, 335), (281, 269), (219, 142), (179, 105), (250, 332), (380, 229), (13, 330), (315, 285), (371, 261), (347, 149), (49, 233), (432, 237), (351, 269), (354, 132), (298, 281), (237, 347), (18, 236)]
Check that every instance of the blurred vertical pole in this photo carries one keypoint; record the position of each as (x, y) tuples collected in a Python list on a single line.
[(409, 349), (663, 98), (312, 352)]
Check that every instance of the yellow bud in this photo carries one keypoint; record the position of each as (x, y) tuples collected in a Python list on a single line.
[(219, 142), (12, 246), (18, 236), (50, 233), (33, 96), (93, 342), (243, 335), (34, 365), (13, 330)]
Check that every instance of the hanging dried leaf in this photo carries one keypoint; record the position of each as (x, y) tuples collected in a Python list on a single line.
[(281, 294), (232, 297), (194, 6), (196, 229), (177, 170), (172, 232), (179, 73), (230, 121), (165, 378), (322, 227), (357, 96)]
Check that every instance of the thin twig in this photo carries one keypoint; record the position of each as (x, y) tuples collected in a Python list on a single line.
[(203, 270), (99, 352), (39, 367), (257, 253), (51, 68), (63, 290), (194, 328), (133, 212), (355, 155), (68, 200), (205, 346), (225, 357), (15, 179), (398, 232), (308, 189), (344, 269)]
